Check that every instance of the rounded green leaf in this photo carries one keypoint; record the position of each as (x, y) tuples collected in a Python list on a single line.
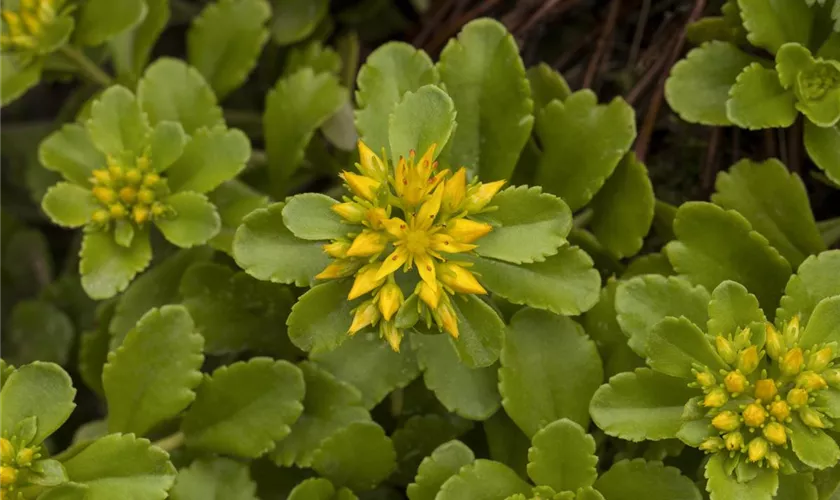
[(758, 100), (641, 405), (732, 308), (38, 330), (321, 318), (542, 353), (791, 59), (418, 436), (483, 480), (265, 248), (234, 200), (196, 220), (225, 40), (313, 54), (563, 457), (93, 352), (583, 142), (106, 267), (166, 145), (547, 85), (214, 479), (117, 125), (70, 152), (308, 216), (483, 73), (370, 365), (174, 91), (41, 390), (121, 466), (722, 484), (471, 393), (771, 25), (243, 408), (715, 245), (797, 487), (824, 324), (675, 345), (100, 20), (822, 146), (15, 78), (69, 205), (422, 118), (210, 158), (813, 446), (318, 488), (775, 203), (434, 470), (565, 283), (814, 280), (634, 479), (525, 214), (698, 87), (150, 378), (131, 48), (388, 73), (480, 332), (338, 459), (295, 20)]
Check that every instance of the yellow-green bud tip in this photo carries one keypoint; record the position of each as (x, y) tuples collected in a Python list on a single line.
[(754, 415), (716, 398), (791, 362), (725, 349), (757, 449), (735, 382), (726, 421), (775, 433), (765, 390)]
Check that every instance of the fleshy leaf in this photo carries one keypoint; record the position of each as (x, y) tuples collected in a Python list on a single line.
[(150, 378), (542, 353), (422, 118), (100, 20), (295, 20), (131, 48), (675, 345), (106, 267), (821, 144), (824, 324), (813, 446), (480, 332), (547, 85), (758, 100), (41, 390), (196, 220), (443, 463), (583, 142), (724, 486), (214, 479), (483, 73), (418, 437), (338, 458), (243, 408), (16, 78), (483, 479), (70, 152), (732, 308), (94, 346), (507, 443), (117, 125), (318, 488), (166, 144), (321, 318), (209, 159), (563, 457), (814, 280), (771, 25), (525, 214), (633, 479), (641, 405), (69, 205), (308, 216), (797, 487), (234, 200)]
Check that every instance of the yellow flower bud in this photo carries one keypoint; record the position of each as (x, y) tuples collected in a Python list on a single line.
[(775, 433), (428, 294), (792, 330), (158, 209), (140, 214), (748, 359), (133, 176), (370, 164), (142, 163), (366, 244), (797, 397), (116, 172), (754, 415), (479, 196), (366, 314), (780, 410), (146, 196), (8, 475), (725, 349), (365, 281), (734, 441), (716, 398), (467, 231), (361, 186), (337, 269), (757, 449), (811, 418), (375, 217), (337, 249), (104, 194), (705, 379), (446, 318), (350, 211), (726, 421), (459, 279), (24, 457), (390, 300), (765, 390), (712, 445), (742, 339), (455, 191), (818, 361), (832, 376), (100, 217), (101, 176), (735, 382), (128, 194), (773, 342), (7, 450), (151, 179), (792, 362), (117, 211), (774, 460), (392, 334), (810, 381)]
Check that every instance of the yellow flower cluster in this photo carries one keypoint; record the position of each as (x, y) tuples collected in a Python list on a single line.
[(750, 410), (413, 217), (136, 193), (23, 28), (14, 466)]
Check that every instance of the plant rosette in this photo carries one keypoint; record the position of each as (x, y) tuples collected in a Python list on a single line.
[(757, 397), (131, 167)]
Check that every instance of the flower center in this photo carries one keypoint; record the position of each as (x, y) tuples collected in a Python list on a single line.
[(25, 26), (416, 241), (129, 192), (819, 80)]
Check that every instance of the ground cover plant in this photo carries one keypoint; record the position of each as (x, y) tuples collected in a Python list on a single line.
[(376, 249)]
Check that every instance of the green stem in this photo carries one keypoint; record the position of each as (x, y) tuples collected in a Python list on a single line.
[(170, 442), (86, 66)]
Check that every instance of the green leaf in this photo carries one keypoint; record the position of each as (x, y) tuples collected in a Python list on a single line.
[(234, 312), (715, 245), (542, 353), (525, 214), (16, 78), (131, 48), (564, 283), (633, 479), (294, 110), (676, 344), (467, 392), (507, 443), (93, 350), (321, 318), (266, 249), (791, 59), (480, 332), (583, 142), (723, 486), (308, 216), (338, 458), (155, 288), (443, 463), (732, 308), (813, 446), (483, 480), (117, 125), (214, 479), (318, 488), (150, 378), (369, 364), (563, 457), (329, 406), (70, 152), (547, 85), (824, 324), (234, 200), (699, 85), (483, 73), (121, 466), (225, 41), (821, 144), (312, 55), (209, 159), (775, 202), (418, 437), (813, 281), (771, 25), (389, 72), (758, 100), (295, 20), (100, 20), (422, 118), (243, 408), (166, 144), (106, 267), (797, 487), (623, 208), (38, 330), (171, 90), (196, 220), (41, 390), (641, 405)]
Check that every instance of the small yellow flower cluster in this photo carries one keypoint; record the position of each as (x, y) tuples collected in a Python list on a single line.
[(817, 81), (23, 28), (14, 466), (751, 410), (136, 193), (412, 217)]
